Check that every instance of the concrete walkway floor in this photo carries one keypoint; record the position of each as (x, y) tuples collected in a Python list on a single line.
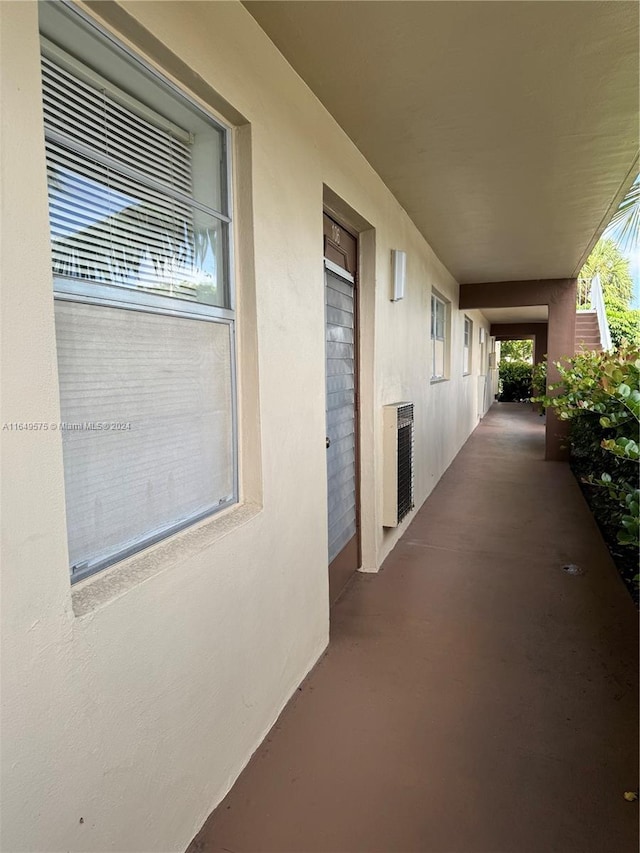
[(475, 698)]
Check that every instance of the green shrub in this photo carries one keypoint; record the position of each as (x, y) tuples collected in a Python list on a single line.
[(590, 462), (624, 325), (516, 350), (539, 378), (600, 394), (515, 381)]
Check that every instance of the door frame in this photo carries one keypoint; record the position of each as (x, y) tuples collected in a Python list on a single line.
[(372, 539), (341, 567)]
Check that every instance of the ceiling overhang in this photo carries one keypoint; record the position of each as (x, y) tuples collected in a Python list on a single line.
[(517, 314), (507, 130)]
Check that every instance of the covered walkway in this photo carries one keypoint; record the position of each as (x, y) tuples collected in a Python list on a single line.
[(475, 696)]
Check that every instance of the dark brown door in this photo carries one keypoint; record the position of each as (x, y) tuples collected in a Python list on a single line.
[(341, 324)]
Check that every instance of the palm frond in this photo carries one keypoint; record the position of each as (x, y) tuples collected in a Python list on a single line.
[(625, 223)]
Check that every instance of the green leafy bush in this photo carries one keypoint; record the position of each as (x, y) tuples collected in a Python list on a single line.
[(520, 350), (624, 325), (600, 394), (515, 381), (539, 378)]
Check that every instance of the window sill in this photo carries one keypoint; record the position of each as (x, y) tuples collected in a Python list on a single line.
[(101, 589), (436, 380)]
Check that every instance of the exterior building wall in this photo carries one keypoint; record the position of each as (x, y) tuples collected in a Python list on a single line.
[(132, 701)]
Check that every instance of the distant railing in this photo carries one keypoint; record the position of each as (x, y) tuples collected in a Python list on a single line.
[(597, 304), (583, 296), (589, 298)]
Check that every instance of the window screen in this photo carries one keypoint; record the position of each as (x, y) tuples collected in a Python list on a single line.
[(148, 438), (139, 221), (122, 206)]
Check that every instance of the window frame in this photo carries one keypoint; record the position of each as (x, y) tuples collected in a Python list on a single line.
[(437, 300), (73, 288), (467, 346), (92, 292)]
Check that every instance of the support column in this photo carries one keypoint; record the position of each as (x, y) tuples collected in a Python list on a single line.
[(561, 345), (540, 346)]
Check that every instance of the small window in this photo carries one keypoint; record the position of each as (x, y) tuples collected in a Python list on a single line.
[(438, 337), (140, 220), (482, 336), (468, 338)]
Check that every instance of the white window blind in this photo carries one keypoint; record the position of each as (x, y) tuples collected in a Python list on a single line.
[(89, 113), (121, 192), (146, 400), (139, 233)]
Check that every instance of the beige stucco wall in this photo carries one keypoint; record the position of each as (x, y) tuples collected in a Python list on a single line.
[(130, 707)]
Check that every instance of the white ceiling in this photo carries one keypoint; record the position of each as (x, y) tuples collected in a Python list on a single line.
[(507, 130)]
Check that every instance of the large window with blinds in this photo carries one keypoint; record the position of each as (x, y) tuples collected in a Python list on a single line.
[(140, 221)]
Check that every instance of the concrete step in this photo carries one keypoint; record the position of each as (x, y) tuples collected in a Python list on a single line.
[(587, 332), (593, 347)]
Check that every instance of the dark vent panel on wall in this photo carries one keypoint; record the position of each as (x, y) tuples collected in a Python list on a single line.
[(397, 462)]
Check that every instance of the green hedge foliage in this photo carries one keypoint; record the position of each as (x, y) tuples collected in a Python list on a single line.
[(600, 394), (515, 381)]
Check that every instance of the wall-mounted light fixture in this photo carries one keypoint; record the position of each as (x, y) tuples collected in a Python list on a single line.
[(481, 335), (398, 274)]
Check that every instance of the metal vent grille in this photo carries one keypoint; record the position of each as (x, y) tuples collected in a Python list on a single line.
[(405, 460), (398, 439)]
